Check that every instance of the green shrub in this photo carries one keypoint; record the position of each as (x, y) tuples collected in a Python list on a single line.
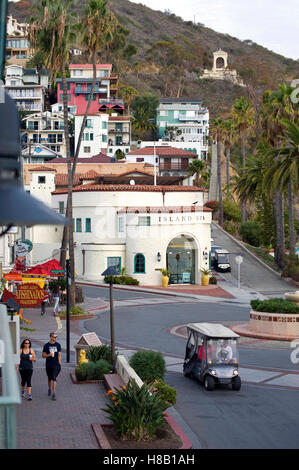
[(124, 280), (61, 281), (149, 365), (231, 210), (94, 353), (251, 232), (135, 412), (165, 392), (291, 268), (275, 305), (80, 373), (213, 280), (75, 311), (102, 367), (231, 227)]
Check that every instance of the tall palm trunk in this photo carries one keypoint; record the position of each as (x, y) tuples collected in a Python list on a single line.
[(279, 252), (291, 219), (227, 155), (243, 148), (73, 171), (219, 148), (69, 230)]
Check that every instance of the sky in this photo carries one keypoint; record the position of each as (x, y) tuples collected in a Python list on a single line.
[(271, 23)]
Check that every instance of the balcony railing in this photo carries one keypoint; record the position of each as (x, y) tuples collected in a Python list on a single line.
[(111, 101), (173, 166)]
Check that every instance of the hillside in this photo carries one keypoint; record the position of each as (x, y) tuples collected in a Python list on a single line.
[(191, 46)]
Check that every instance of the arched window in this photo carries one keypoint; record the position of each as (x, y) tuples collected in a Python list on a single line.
[(139, 263)]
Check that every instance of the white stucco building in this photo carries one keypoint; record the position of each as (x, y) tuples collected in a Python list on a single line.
[(142, 228)]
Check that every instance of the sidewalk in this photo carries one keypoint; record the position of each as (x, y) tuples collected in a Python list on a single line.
[(66, 423)]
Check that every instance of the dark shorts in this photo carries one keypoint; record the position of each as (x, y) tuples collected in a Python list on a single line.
[(52, 372), (26, 375)]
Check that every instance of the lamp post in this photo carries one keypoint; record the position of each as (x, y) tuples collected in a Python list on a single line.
[(111, 271), (68, 283)]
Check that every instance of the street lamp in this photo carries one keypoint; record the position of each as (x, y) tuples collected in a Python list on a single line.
[(111, 271)]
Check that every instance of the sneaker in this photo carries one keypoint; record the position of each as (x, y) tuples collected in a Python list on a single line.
[(29, 397), (49, 393), (23, 395), (53, 396)]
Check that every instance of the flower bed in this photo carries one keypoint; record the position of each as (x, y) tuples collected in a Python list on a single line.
[(76, 313)]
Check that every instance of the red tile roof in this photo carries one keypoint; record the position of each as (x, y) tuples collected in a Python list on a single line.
[(42, 168), (90, 175), (129, 187), (163, 151), (163, 210), (61, 179)]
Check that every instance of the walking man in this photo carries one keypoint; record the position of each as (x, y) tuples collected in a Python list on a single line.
[(52, 354)]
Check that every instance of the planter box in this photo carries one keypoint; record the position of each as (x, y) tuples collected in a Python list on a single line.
[(283, 324), (77, 317), (79, 382), (99, 431)]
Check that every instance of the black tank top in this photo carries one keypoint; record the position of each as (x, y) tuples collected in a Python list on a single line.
[(25, 362)]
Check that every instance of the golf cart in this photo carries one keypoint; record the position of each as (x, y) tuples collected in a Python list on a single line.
[(211, 355), (221, 261)]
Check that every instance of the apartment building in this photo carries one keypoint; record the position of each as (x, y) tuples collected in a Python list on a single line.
[(184, 120), (28, 96)]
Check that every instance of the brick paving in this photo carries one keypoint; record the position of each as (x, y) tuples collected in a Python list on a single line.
[(65, 423), (210, 291)]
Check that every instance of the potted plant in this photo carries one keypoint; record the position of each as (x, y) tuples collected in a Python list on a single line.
[(165, 276), (205, 276)]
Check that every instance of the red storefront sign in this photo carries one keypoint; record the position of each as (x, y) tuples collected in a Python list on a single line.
[(28, 295)]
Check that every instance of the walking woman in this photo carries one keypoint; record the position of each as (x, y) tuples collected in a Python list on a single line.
[(27, 357)]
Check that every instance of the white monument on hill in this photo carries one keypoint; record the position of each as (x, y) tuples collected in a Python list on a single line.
[(221, 70)]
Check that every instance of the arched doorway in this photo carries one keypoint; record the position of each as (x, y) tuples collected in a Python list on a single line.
[(180, 258), (220, 63)]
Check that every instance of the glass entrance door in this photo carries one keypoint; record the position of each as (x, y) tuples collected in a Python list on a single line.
[(180, 257)]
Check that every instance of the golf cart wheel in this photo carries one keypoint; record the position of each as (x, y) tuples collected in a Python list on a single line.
[(236, 383), (187, 374), (209, 383)]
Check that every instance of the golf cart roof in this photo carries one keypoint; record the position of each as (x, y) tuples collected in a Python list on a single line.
[(213, 330), (222, 251)]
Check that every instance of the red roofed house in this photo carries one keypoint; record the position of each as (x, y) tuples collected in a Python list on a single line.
[(170, 161)]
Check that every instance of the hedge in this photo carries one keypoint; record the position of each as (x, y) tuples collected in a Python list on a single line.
[(275, 305)]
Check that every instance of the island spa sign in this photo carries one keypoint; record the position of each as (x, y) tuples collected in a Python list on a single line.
[(28, 295)]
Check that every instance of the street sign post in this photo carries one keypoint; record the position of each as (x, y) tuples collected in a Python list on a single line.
[(239, 261)]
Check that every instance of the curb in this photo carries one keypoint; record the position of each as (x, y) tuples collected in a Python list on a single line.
[(159, 292), (244, 330)]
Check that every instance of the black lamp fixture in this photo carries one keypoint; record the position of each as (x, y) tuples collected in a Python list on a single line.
[(17, 207), (159, 257)]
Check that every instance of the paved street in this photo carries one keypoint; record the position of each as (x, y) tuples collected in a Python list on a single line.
[(254, 276)]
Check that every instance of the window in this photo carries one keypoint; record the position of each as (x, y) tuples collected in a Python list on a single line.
[(115, 262), (139, 263), (139, 160), (104, 138), (41, 179), (89, 123), (61, 207), (59, 137), (33, 125), (121, 224), (86, 149), (78, 73), (91, 136), (104, 124), (78, 225), (144, 221), (87, 225)]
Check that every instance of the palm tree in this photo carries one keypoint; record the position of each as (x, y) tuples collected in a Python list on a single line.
[(128, 93), (96, 31), (243, 116), (228, 141), (198, 168), (285, 172), (51, 33), (276, 107), (217, 134), (142, 123)]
